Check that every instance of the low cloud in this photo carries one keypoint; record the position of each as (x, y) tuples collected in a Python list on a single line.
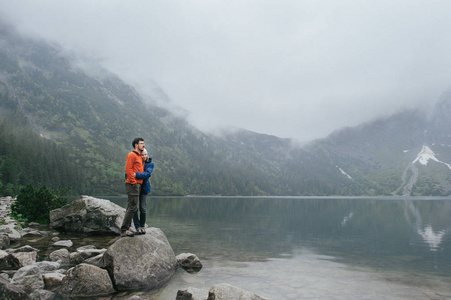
[(298, 69)]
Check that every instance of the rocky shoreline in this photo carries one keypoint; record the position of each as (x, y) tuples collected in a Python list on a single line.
[(144, 262)]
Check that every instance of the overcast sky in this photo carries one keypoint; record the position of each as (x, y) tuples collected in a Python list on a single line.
[(291, 68)]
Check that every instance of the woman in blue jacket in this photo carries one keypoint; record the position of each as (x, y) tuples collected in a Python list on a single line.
[(139, 219)]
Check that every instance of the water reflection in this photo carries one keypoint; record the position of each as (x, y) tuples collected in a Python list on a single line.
[(430, 236), (394, 233), (434, 239), (347, 218), (393, 237)]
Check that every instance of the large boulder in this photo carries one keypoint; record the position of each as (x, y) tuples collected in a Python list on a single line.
[(140, 262), (86, 280), (88, 215)]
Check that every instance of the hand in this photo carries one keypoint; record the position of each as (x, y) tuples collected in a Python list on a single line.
[(134, 174)]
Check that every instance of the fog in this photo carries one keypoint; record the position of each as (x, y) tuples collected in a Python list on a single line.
[(291, 68)]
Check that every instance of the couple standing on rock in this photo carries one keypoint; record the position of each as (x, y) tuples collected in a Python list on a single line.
[(138, 168)]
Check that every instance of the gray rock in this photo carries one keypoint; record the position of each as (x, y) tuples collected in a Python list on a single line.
[(89, 256), (197, 294), (189, 261), (42, 295), (25, 258), (34, 225), (52, 280), (225, 291), (4, 276), (25, 271), (26, 248), (14, 235), (95, 261), (8, 262), (25, 255), (65, 243), (140, 262), (86, 281), (88, 215), (11, 292), (76, 258), (88, 253), (34, 232), (47, 266), (5, 241), (184, 295), (28, 279), (86, 247), (62, 256), (37, 268)]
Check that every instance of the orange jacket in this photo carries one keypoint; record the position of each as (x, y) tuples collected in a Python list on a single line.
[(133, 164)]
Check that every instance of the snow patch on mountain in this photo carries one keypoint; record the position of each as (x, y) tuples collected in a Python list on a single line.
[(427, 154), (410, 175), (343, 172)]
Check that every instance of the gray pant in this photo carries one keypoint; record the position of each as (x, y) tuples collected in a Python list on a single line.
[(132, 206), (139, 219)]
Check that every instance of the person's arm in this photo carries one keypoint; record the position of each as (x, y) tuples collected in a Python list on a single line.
[(148, 169), (129, 160)]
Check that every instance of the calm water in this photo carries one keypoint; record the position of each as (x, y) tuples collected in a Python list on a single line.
[(310, 248), (304, 248)]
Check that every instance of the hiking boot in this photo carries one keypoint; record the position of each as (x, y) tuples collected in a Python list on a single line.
[(127, 233)]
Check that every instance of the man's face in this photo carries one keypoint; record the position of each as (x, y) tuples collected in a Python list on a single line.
[(141, 146)]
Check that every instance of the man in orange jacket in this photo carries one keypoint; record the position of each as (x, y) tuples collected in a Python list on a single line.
[(133, 164)]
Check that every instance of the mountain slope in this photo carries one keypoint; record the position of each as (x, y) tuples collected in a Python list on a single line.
[(92, 116), (96, 117), (384, 153)]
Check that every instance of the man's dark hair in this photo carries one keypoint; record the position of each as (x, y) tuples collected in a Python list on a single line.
[(136, 141)]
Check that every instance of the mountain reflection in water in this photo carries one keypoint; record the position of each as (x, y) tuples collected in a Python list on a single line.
[(401, 244)]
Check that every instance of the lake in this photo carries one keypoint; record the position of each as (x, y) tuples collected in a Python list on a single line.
[(310, 248)]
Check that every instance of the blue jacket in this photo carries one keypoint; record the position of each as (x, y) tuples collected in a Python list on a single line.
[(148, 168)]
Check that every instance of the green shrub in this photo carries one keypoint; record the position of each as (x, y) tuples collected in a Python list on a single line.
[(34, 204)]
